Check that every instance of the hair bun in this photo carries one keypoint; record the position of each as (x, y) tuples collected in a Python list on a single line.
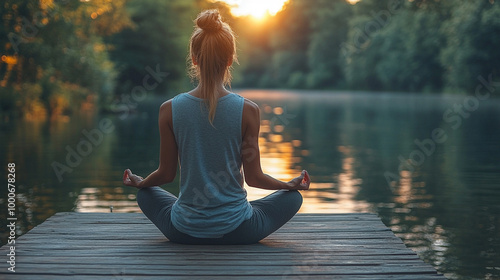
[(209, 20)]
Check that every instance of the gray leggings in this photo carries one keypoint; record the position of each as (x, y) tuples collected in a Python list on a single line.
[(269, 214)]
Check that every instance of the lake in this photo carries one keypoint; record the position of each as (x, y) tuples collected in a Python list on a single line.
[(427, 165)]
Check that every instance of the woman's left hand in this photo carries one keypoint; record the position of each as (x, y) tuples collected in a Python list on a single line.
[(130, 179)]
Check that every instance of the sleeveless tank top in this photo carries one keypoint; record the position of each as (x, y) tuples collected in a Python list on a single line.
[(212, 200)]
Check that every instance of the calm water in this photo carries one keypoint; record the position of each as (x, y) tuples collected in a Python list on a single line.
[(441, 196)]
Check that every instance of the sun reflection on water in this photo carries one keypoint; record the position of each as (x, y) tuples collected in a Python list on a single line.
[(281, 157)]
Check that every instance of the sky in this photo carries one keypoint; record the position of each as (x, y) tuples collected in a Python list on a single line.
[(259, 8), (255, 8)]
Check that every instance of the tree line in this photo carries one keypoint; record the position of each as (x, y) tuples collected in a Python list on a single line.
[(377, 45), (59, 56), (62, 56)]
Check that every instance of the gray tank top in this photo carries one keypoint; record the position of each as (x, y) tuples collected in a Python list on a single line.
[(212, 200)]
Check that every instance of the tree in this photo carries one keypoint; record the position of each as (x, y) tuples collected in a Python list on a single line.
[(410, 52), (473, 42), (159, 39), (53, 52), (328, 31)]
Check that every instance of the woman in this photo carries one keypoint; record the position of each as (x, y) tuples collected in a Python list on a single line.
[(213, 132)]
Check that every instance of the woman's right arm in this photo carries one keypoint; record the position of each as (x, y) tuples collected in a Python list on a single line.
[(167, 168), (254, 176)]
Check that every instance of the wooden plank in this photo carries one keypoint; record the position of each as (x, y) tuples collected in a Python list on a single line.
[(240, 277), (196, 270), (206, 258), (331, 235), (128, 246)]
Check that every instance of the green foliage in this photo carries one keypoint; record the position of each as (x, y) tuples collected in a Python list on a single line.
[(473, 41), (410, 61), (57, 55), (329, 27), (395, 45), (159, 37), (290, 41), (47, 43)]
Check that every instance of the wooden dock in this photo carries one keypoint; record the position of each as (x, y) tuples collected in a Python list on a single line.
[(129, 246)]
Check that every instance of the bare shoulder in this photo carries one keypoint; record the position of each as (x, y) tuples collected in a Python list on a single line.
[(166, 112), (250, 103), (250, 108), (251, 118), (167, 105)]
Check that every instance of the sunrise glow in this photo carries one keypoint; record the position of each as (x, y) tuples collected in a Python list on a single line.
[(256, 8)]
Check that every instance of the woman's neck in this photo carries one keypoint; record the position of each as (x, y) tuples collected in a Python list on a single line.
[(220, 91)]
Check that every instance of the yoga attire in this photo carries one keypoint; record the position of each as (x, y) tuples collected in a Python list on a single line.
[(212, 207), (268, 215)]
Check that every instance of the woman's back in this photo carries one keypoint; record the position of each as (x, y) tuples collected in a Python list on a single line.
[(212, 134), (212, 200)]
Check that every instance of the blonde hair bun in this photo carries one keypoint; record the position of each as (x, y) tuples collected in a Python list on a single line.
[(209, 20)]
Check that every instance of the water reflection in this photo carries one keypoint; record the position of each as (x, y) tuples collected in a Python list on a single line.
[(106, 200), (351, 140), (446, 209)]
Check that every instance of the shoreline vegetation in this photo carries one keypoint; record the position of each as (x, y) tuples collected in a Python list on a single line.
[(62, 57)]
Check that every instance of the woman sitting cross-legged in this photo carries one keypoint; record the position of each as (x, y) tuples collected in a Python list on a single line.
[(211, 133)]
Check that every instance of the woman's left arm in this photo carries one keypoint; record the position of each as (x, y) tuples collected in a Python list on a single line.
[(167, 168)]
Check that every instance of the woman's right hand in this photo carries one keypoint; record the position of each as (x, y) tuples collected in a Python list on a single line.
[(300, 183), (130, 179)]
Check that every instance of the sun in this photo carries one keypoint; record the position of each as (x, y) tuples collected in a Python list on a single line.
[(255, 8)]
